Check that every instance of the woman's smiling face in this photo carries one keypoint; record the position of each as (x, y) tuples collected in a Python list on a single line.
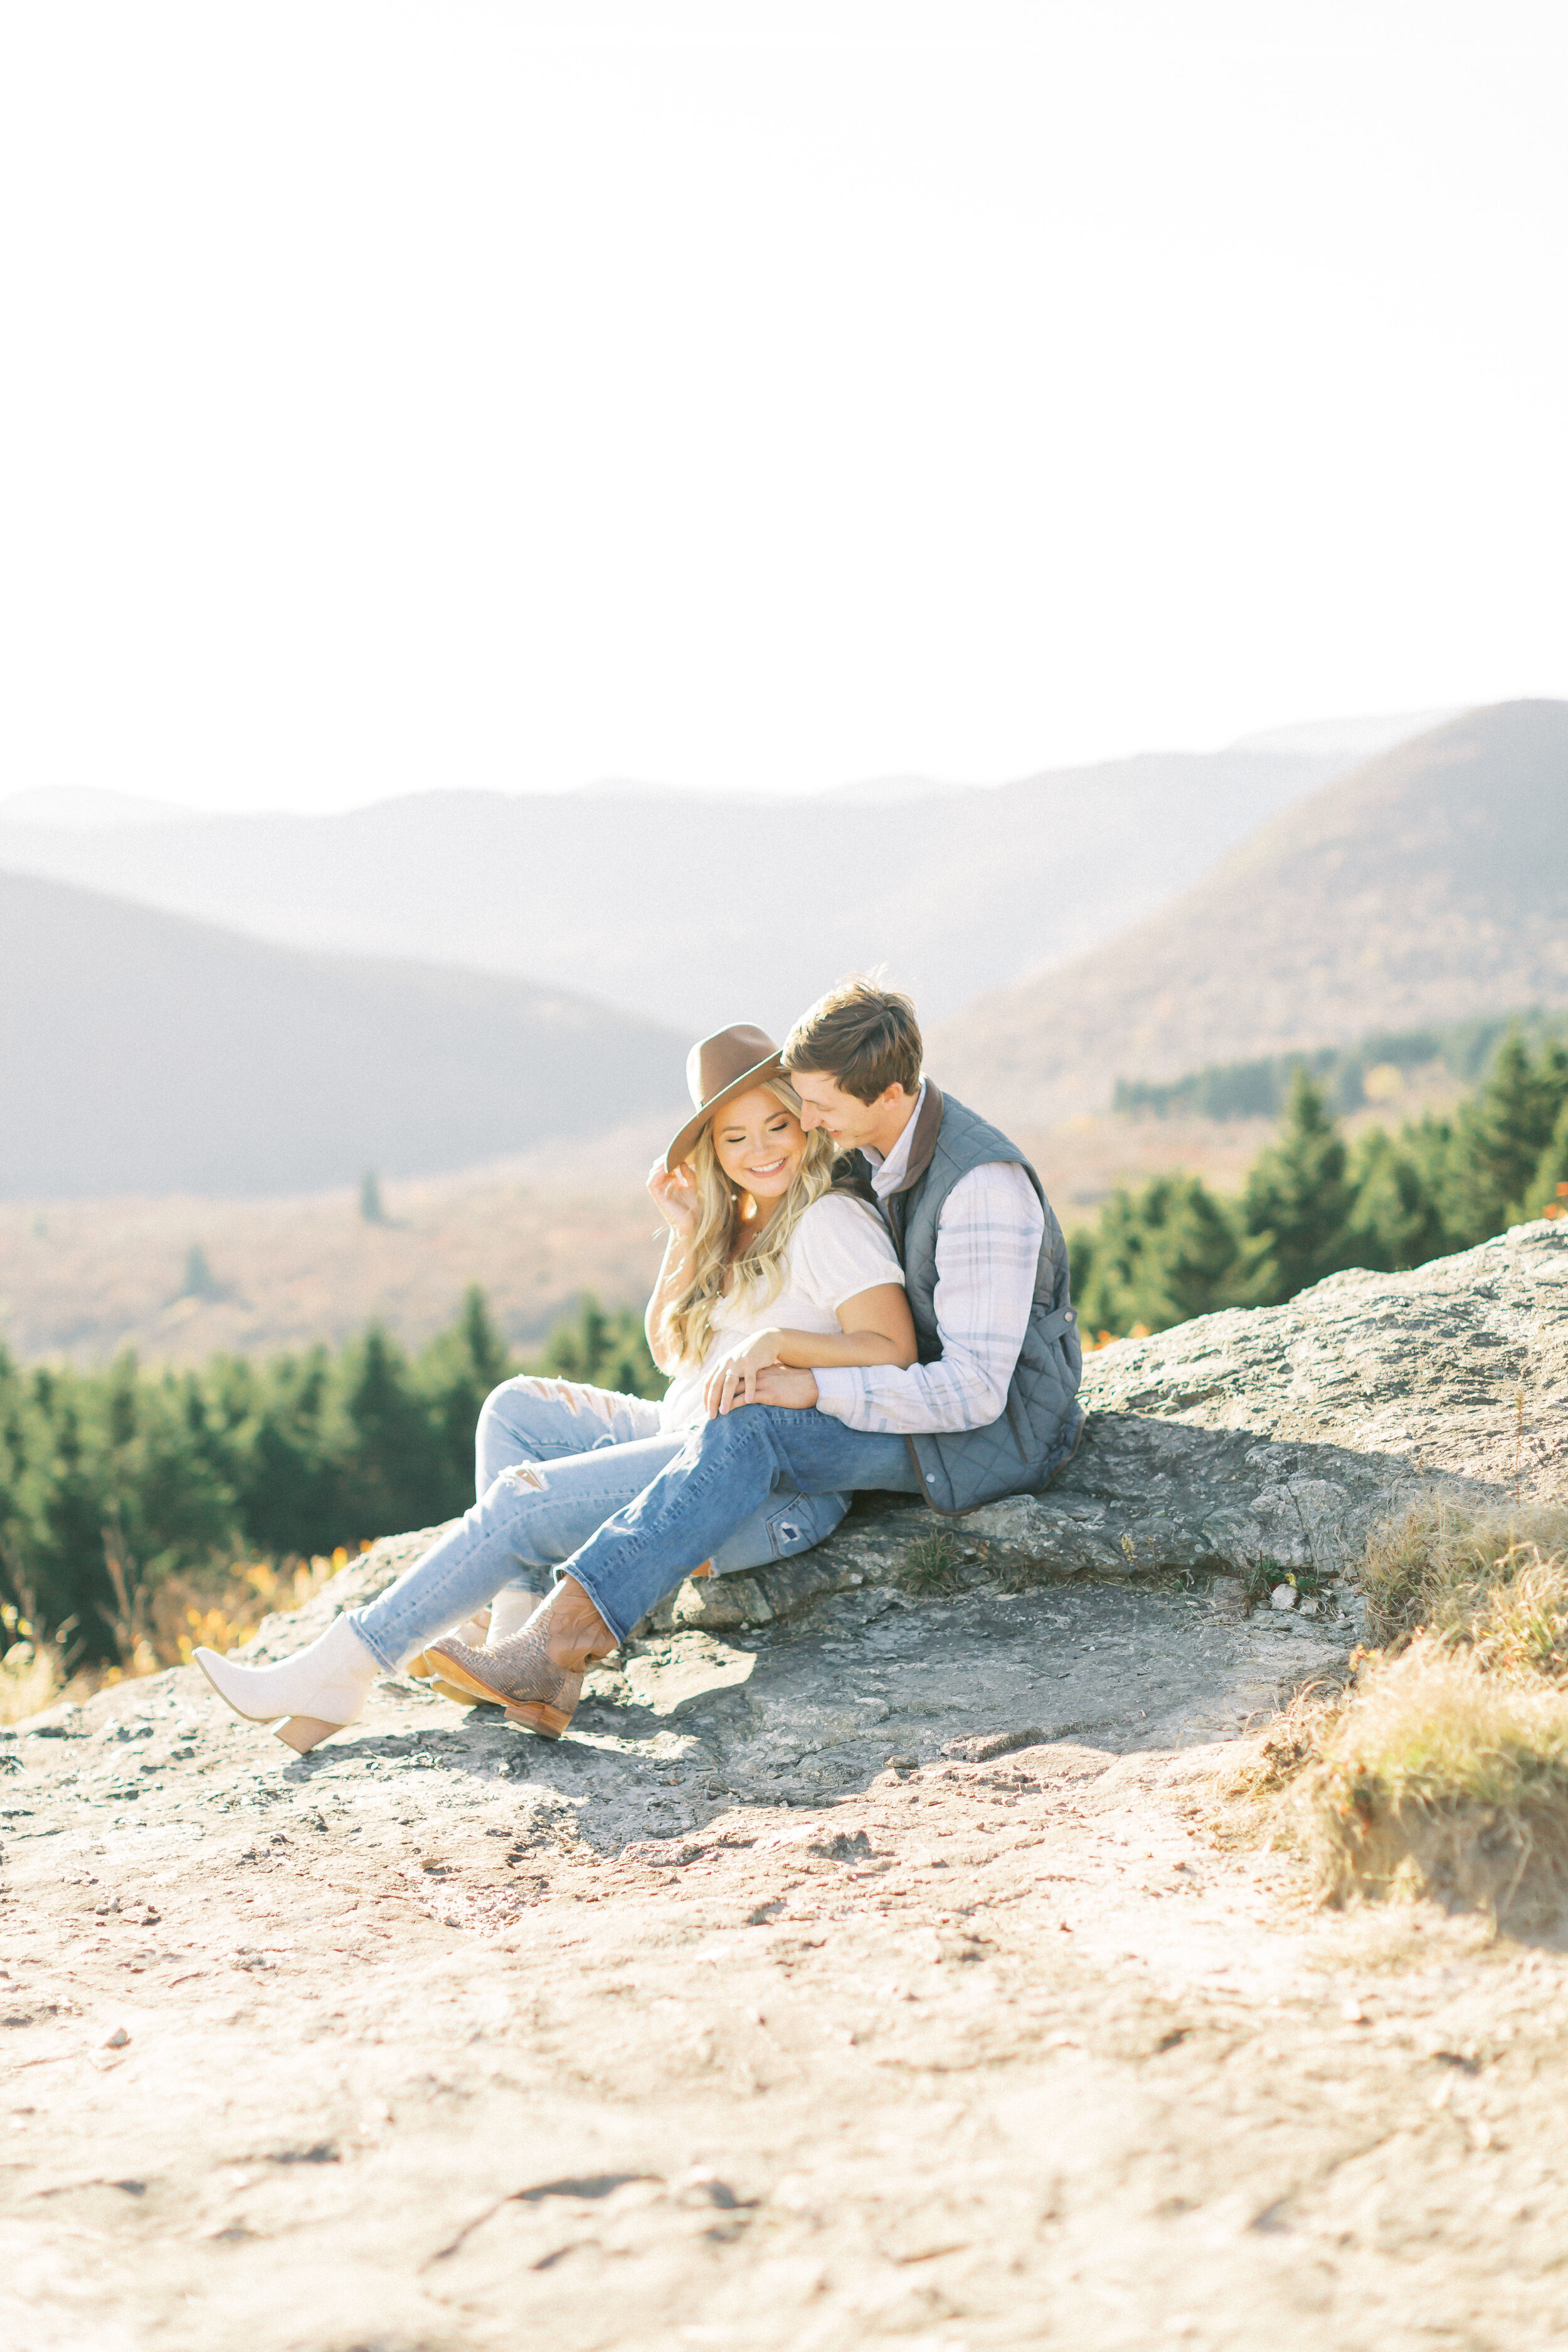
[(759, 1144)]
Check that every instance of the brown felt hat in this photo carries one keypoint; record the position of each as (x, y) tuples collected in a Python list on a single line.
[(723, 1064)]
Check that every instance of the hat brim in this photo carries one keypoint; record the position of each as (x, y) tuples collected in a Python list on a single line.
[(760, 1072)]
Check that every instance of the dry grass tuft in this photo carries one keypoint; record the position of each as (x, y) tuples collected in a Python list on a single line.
[(1521, 1626), (185, 1614), (1445, 1776), (32, 1673), (1443, 1771), (1261, 1768), (154, 1628), (1437, 1565)]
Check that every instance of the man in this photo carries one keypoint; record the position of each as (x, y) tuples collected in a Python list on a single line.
[(990, 1409)]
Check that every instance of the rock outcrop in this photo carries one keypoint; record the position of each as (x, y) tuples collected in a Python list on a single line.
[(1282, 1434), (1263, 1437)]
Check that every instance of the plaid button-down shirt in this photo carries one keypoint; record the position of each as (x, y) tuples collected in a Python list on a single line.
[(987, 1252)]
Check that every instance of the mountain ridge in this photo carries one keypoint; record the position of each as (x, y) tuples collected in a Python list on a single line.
[(702, 909), (1430, 884), (140, 1052)]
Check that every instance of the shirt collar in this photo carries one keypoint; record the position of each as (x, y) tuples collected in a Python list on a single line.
[(888, 1174)]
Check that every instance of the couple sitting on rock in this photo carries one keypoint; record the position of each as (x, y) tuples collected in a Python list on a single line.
[(864, 1287)]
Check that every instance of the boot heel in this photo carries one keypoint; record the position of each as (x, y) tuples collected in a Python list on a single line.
[(547, 1721), (304, 1732)]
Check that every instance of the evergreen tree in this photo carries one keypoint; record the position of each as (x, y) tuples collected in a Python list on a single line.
[(370, 1202), (1548, 1194), (488, 1362), (1429, 1145), (1082, 1259), (112, 1464), (390, 1455), (1194, 1265), (16, 1524), (286, 1472), (604, 1351), (199, 1281), (1500, 1138), (633, 1370), (456, 1373), (1297, 1204), (1397, 1220), (160, 1482), (62, 1565), (1160, 1257), (576, 1351), (1103, 1264)]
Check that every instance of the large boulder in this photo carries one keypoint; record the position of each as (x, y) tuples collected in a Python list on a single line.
[(1266, 1436), (1271, 1437)]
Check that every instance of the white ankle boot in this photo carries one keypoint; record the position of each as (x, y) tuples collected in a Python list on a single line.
[(319, 1689)]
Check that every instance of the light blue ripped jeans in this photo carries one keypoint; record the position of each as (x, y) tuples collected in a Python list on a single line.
[(552, 1461)]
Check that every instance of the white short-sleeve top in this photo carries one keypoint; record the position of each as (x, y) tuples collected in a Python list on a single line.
[(839, 1248)]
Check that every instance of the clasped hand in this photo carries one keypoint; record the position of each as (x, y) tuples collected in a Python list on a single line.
[(734, 1379), (751, 1373)]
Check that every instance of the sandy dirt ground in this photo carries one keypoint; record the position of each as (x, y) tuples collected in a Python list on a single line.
[(876, 1977)]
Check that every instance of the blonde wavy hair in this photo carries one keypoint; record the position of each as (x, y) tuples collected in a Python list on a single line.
[(688, 1321)]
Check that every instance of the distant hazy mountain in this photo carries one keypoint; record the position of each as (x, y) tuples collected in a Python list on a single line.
[(83, 808), (702, 909), (141, 1052), (1429, 885), (1348, 739)]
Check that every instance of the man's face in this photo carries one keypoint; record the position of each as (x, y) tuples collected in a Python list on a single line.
[(849, 1121)]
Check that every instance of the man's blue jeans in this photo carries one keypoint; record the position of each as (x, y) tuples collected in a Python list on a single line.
[(553, 1460), (724, 1473)]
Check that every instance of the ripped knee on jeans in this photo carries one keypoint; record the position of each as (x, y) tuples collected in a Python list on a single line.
[(577, 1396), (525, 1473)]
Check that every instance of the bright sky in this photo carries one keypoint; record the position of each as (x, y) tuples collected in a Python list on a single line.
[(406, 393)]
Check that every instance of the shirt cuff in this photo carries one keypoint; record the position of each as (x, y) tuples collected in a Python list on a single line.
[(837, 1390)]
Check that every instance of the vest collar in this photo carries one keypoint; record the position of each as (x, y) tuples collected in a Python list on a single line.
[(927, 1127)]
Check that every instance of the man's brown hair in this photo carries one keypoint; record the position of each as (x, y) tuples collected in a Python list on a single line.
[(863, 1037)]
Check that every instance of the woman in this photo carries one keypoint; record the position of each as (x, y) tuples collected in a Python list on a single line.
[(767, 1262)]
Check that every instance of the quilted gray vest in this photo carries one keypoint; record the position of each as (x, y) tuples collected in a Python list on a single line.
[(1040, 1421)]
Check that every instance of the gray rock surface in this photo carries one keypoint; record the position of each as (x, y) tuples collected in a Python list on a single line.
[(1279, 1435), (1458, 1368)]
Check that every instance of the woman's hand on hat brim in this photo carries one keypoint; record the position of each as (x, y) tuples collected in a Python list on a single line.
[(674, 1195)]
